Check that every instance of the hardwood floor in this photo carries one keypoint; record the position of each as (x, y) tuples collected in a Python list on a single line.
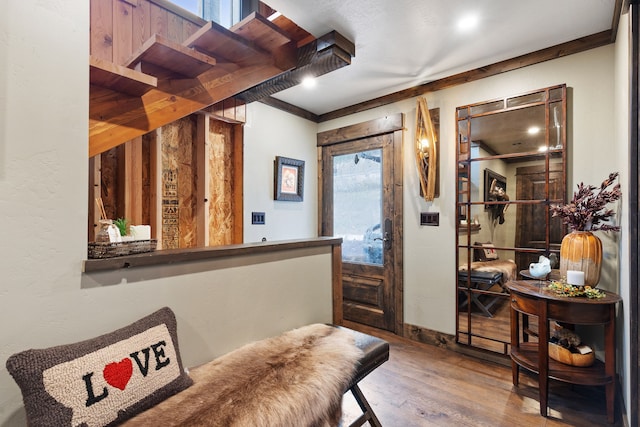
[(424, 385)]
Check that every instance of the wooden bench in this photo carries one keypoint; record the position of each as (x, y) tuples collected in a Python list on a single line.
[(133, 376), (376, 352), (483, 281)]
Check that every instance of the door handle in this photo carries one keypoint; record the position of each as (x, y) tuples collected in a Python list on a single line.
[(386, 240)]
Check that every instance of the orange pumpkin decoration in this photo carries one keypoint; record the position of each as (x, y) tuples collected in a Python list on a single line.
[(582, 251)]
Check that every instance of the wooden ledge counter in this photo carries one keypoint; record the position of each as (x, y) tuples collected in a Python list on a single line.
[(174, 256)]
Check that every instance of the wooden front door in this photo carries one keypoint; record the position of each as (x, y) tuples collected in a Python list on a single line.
[(361, 202), (531, 231)]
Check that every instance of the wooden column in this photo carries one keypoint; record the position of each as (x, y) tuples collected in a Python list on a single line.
[(155, 178), (238, 184), (95, 191), (132, 181)]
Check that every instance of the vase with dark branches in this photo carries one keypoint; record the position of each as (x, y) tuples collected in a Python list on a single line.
[(587, 211)]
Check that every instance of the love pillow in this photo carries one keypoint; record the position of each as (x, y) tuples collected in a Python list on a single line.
[(105, 380)]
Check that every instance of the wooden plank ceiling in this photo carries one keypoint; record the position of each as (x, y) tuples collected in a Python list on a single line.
[(165, 80)]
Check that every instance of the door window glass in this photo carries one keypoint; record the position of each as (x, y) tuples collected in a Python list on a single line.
[(357, 205)]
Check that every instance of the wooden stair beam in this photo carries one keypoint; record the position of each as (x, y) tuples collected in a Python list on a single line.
[(118, 78), (168, 55), (241, 64), (226, 46), (261, 31), (299, 35), (113, 121)]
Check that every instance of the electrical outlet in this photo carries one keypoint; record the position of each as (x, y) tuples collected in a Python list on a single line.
[(430, 218), (257, 218)]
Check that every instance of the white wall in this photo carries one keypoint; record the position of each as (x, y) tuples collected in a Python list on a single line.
[(45, 300), (269, 133), (598, 140), (429, 292)]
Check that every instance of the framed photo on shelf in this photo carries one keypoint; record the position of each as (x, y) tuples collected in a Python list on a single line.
[(289, 179)]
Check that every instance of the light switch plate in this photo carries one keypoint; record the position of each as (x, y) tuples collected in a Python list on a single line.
[(257, 218), (430, 218)]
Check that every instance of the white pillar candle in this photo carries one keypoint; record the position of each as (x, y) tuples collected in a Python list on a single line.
[(575, 277), (140, 232)]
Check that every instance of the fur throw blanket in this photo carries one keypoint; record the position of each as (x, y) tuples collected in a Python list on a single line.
[(506, 267), (295, 379)]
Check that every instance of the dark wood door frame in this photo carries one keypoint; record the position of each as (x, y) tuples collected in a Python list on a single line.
[(394, 126)]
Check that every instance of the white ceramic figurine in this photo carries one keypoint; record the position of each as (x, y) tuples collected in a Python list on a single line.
[(541, 268)]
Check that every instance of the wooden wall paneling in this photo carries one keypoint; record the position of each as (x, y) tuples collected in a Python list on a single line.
[(238, 184), (122, 31), (101, 35), (174, 30), (168, 147), (179, 189), (188, 28), (171, 7), (229, 109), (132, 181), (220, 165), (186, 181), (141, 24), (159, 20), (202, 183), (216, 109), (241, 111)]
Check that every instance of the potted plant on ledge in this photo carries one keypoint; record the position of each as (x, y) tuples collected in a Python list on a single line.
[(581, 250)]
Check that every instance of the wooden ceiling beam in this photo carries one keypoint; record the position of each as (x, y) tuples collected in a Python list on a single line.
[(323, 55), (564, 49)]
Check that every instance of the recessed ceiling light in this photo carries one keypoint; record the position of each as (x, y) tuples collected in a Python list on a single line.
[(309, 82), (533, 130), (468, 23)]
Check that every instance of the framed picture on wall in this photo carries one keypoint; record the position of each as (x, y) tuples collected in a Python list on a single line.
[(289, 179), (495, 187)]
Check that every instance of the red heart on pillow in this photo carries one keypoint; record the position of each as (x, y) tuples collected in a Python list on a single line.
[(118, 374)]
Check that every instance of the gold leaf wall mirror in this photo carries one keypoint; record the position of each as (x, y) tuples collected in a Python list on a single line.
[(426, 146)]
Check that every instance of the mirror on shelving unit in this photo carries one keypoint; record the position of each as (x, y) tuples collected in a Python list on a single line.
[(511, 165)]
